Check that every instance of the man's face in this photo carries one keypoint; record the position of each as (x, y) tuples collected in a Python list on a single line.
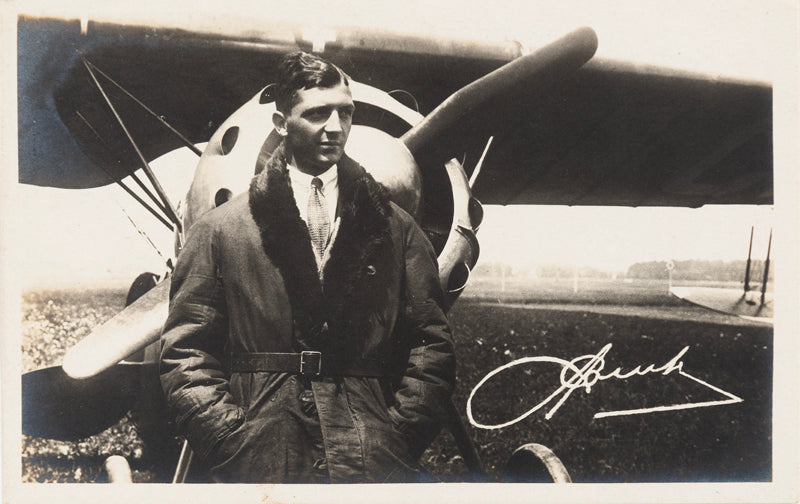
[(317, 127)]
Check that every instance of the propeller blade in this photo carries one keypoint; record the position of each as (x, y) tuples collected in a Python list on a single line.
[(526, 75), (132, 329), (56, 406)]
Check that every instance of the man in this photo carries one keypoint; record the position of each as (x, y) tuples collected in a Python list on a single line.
[(306, 340)]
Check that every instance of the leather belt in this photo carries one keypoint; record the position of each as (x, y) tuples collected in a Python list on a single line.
[(309, 363)]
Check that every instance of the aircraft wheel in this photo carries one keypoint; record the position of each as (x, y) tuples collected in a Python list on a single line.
[(118, 470), (535, 463), (140, 286)]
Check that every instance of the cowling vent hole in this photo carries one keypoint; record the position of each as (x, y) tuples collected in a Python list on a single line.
[(229, 140), (222, 196), (458, 278)]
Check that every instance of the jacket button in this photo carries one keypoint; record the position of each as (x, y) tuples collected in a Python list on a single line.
[(371, 270)]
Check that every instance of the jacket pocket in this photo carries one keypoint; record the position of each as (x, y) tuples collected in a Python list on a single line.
[(226, 443)]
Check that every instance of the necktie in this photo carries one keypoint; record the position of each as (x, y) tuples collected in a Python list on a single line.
[(319, 224)]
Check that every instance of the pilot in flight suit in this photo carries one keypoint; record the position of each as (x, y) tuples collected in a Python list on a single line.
[(296, 351)]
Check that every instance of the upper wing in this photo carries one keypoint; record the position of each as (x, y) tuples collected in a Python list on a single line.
[(69, 138), (608, 134), (621, 134)]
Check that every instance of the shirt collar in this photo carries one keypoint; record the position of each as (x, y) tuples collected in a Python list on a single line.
[(300, 179)]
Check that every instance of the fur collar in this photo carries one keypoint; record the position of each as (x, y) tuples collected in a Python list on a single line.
[(328, 318)]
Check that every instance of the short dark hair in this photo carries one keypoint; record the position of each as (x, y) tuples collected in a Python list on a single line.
[(301, 70)]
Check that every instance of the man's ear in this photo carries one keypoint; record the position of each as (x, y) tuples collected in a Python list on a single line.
[(279, 121)]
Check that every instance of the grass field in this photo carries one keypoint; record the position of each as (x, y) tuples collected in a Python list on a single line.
[(494, 326)]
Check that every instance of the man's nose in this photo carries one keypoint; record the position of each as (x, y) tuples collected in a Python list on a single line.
[(333, 124)]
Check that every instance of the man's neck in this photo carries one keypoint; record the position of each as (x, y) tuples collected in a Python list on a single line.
[(313, 170)]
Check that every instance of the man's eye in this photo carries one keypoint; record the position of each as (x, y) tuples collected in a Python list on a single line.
[(346, 114), (317, 115)]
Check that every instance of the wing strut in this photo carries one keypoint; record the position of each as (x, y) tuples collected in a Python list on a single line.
[(160, 119), (165, 204), (136, 196), (766, 271), (143, 202), (747, 266)]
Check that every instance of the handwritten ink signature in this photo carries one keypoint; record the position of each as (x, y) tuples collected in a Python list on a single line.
[(585, 372)]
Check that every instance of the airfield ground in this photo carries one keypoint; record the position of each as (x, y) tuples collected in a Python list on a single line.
[(495, 325)]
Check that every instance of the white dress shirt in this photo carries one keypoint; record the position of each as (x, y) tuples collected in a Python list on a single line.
[(301, 188)]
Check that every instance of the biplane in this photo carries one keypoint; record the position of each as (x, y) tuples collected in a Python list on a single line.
[(462, 124)]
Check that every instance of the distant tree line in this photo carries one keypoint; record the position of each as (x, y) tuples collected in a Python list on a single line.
[(495, 269), (691, 269), (699, 269), (561, 271)]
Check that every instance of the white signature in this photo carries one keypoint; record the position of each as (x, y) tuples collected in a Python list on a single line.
[(584, 372)]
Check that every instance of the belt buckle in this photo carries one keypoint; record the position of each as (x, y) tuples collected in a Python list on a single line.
[(310, 362)]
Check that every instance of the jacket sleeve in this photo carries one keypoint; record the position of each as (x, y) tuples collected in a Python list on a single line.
[(424, 393), (195, 386)]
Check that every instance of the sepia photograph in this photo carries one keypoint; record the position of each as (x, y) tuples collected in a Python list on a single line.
[(494, 252)]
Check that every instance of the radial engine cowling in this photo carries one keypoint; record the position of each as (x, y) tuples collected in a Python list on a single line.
[(242, 144)]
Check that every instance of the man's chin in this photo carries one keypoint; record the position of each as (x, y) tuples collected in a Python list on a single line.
[(330, 158)]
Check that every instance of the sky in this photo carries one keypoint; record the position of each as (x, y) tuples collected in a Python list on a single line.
[(62, 237)]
